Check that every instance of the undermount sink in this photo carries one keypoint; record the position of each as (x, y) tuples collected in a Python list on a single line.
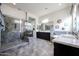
[(68, 36), (67, 40)]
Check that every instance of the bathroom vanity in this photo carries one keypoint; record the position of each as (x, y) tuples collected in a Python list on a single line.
[(66, 45), (43, 35)]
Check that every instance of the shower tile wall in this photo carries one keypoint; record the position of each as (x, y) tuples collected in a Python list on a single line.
[(11, 34)]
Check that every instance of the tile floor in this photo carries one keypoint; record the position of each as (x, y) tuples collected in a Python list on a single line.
[(36, 47)]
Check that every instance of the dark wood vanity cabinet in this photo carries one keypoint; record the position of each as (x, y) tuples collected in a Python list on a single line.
[(64, 50), (43, 35)]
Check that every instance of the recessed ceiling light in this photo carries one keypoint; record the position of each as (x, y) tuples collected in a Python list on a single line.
[(59, 4), (14, 3), (45, 21)]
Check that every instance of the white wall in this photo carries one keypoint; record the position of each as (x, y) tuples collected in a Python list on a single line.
[(63, 14)]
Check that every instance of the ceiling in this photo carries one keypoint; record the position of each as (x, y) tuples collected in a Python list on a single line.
[(41, 9)]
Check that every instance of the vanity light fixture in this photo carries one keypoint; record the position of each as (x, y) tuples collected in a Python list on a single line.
[(18, 21), (45, 21), (27, 23)]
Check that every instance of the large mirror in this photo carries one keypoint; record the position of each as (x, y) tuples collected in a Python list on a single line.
[(75, 16)]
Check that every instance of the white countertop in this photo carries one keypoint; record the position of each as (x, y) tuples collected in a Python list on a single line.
[(43, 31), (69, 40)]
